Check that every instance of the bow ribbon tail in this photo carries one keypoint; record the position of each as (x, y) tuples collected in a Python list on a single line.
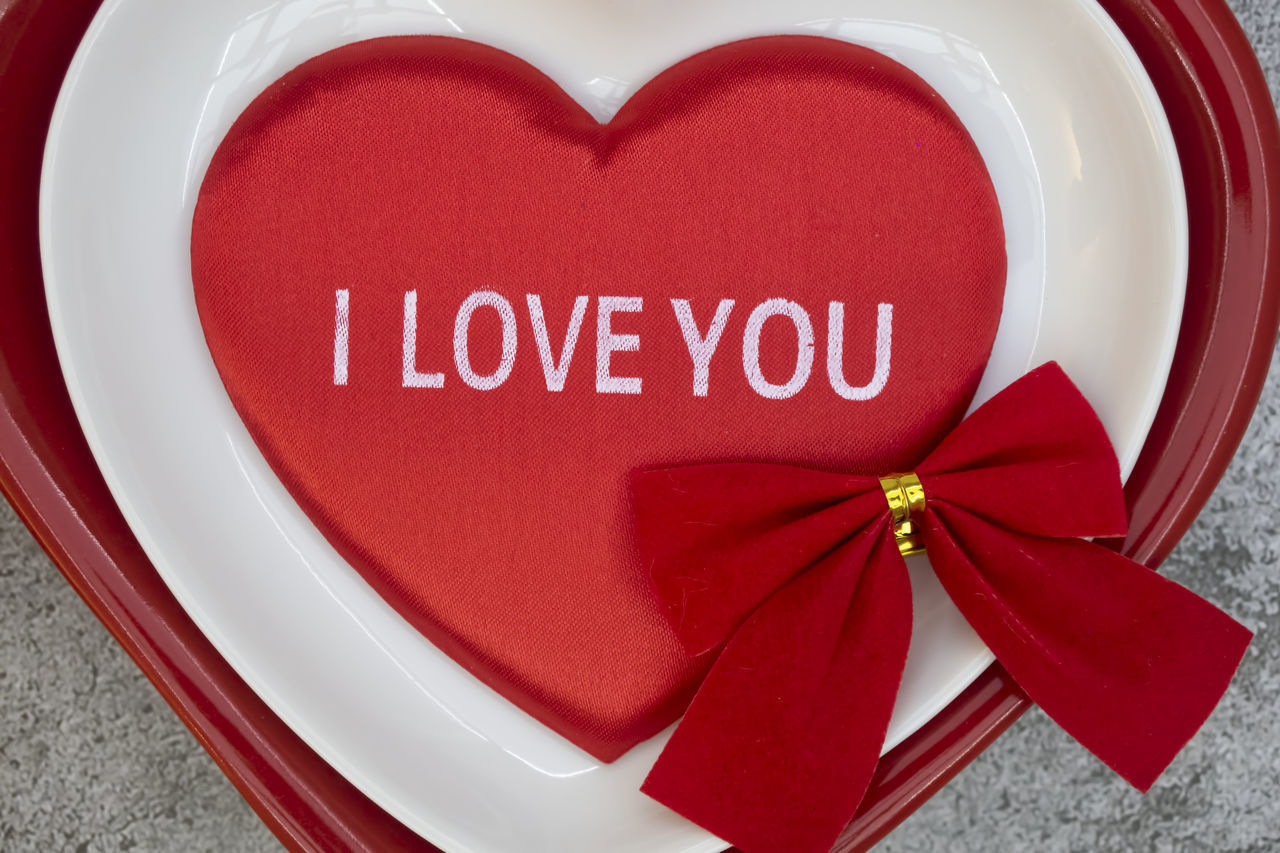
[(1129, 663), (780, 743)]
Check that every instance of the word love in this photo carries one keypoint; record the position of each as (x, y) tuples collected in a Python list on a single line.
[(702, 343)]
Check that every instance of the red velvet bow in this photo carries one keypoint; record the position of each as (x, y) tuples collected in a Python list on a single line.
[(796, 574)]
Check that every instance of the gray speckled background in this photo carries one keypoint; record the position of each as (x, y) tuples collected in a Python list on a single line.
[(92, 760)]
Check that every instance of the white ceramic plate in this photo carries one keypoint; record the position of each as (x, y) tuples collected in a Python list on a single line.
[(1087, 176)]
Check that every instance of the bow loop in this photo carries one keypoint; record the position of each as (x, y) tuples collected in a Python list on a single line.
[(1034, 458), (720, 539)]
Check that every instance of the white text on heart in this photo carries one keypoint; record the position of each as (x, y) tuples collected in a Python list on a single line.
[(702, 345)]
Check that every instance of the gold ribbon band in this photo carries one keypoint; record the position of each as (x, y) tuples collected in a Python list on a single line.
[(905, 496)]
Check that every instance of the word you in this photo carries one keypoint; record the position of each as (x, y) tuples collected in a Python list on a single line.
[(702, 345)]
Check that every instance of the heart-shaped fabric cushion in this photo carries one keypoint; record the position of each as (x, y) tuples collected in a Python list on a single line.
[(455, 311)]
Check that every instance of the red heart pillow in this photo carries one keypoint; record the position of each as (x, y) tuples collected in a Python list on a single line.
[(455, 311)]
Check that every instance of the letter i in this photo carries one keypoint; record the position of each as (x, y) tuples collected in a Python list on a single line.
[(341, 335)]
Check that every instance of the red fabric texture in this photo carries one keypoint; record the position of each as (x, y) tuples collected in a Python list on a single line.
[(798, 572), (497, 519)]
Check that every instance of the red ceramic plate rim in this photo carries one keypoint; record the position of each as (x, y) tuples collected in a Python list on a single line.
[(1225, 124)]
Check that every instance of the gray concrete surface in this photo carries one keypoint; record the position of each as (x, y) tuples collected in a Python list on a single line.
[(92, 760)]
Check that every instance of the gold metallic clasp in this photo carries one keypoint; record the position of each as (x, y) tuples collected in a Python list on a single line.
[(905, 495)]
